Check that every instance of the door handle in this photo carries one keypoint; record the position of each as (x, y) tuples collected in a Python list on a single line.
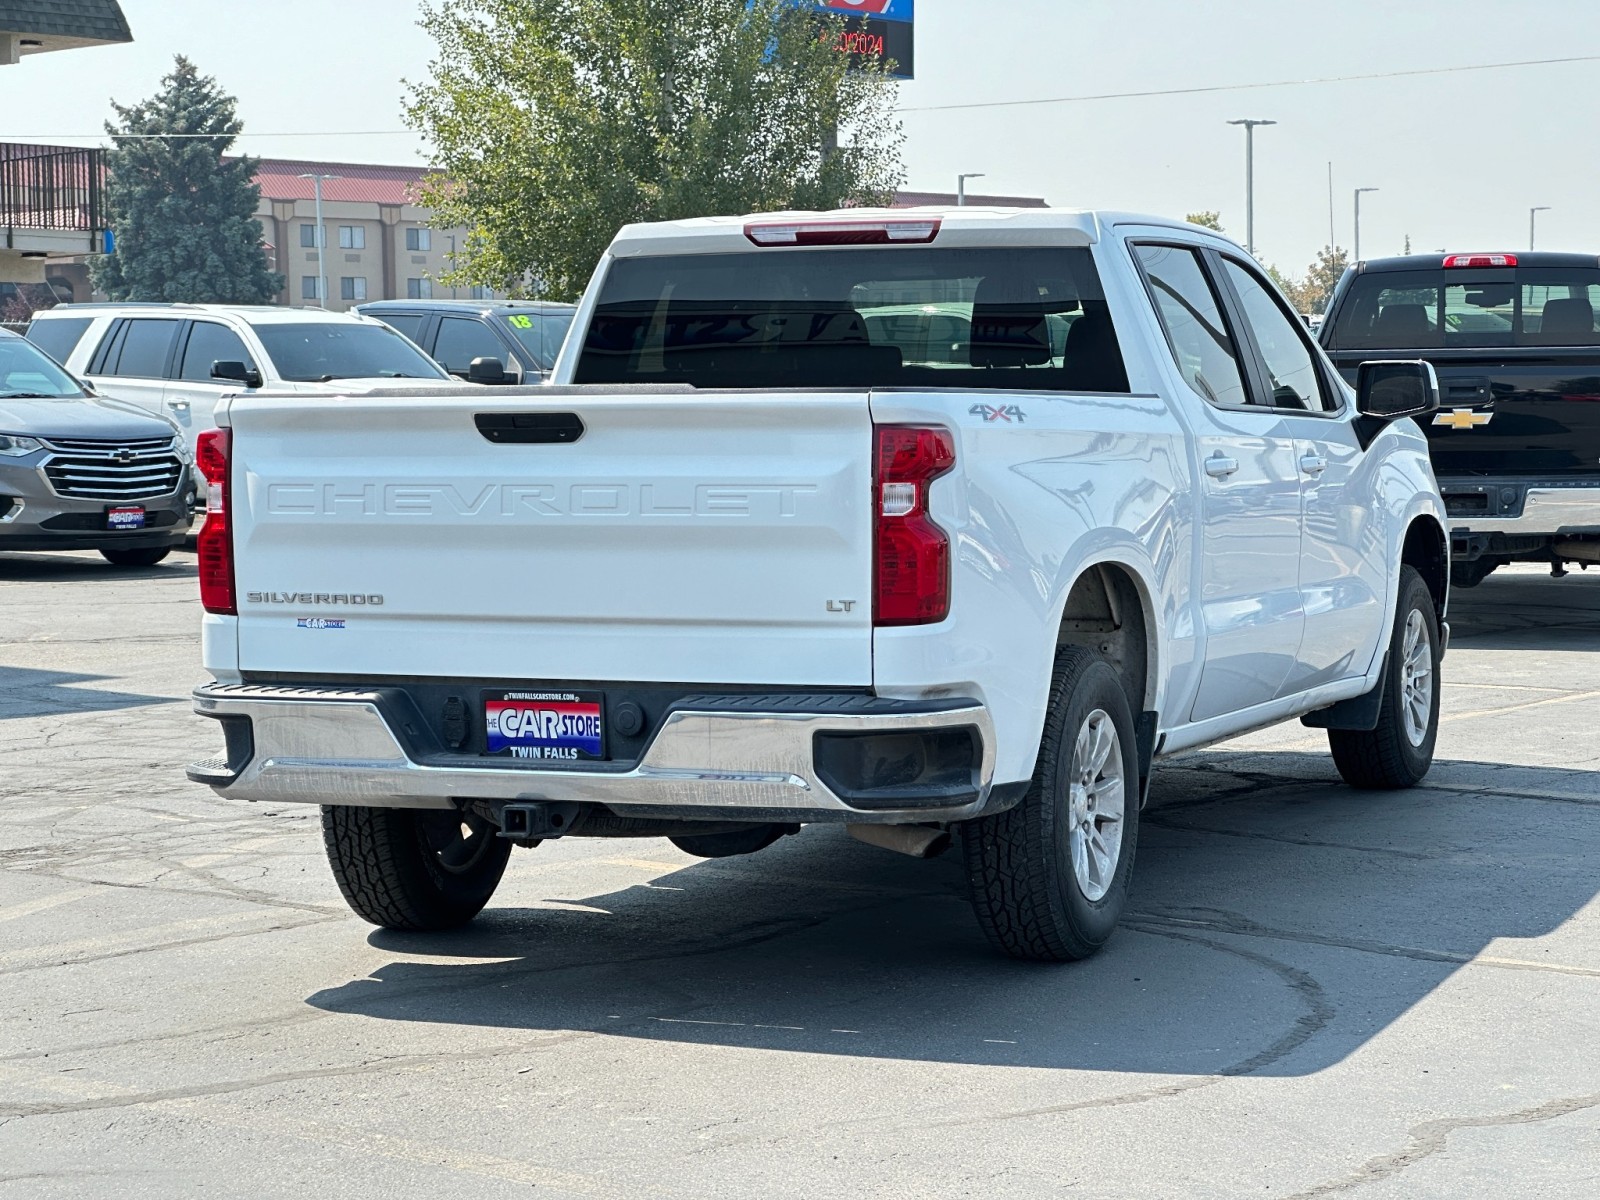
[(1220, 466), (1313, 464), (178, 405)]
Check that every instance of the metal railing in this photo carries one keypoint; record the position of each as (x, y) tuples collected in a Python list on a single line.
[(51, 187)]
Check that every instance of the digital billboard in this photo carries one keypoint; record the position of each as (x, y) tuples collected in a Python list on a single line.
[(878, 28)]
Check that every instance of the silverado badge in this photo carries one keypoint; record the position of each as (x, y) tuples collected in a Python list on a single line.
[(1463, 418)]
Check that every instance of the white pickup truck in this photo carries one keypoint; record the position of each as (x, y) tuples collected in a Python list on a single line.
[(938, 524)]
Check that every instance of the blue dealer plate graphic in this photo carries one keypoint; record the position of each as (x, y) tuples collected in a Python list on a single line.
[(545, 726)]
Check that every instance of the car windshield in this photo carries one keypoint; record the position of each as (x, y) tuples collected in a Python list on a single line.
[(326, 350), (1029, 319), (26, 371), (1421, 310), (540, 334)]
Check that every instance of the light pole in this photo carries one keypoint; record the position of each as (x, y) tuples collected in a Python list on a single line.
[(1250, 180), (321, 238), (1355, 254), (1533, 222), (961, 186)]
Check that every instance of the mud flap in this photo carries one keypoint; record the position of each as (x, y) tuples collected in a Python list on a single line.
[(1359, 713), (1145, 727)]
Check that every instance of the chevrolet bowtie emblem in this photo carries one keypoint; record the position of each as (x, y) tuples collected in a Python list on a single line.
[(1463, 418)]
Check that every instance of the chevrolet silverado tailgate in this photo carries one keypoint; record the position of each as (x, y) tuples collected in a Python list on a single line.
[(556, 534)]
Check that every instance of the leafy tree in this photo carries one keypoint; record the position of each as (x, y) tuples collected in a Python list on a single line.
[(1209, 218), (1323, 276), (181, 213), (555, 122)]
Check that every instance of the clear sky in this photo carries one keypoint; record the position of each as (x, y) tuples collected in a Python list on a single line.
[(1459, 158)]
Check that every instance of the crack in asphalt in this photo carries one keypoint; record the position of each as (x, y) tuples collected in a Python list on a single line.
[(1431, 1137), (1155, 820)]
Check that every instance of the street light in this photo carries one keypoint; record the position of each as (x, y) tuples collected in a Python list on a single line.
[(961, 186), (1356, 251), (322, 238), (1250, 180), (1533, 219)]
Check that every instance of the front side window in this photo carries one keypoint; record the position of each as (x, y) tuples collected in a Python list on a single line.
[(461, 340), (352, 237), (145, 349), (1021, 319), (318, 352), (1205, 351), (1291, 367), (211, 343)]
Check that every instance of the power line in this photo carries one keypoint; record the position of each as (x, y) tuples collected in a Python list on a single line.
[(1246, 87)]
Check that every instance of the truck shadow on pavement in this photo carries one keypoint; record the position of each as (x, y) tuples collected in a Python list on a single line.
[(29, 693), (63, 568), (1280, 922)]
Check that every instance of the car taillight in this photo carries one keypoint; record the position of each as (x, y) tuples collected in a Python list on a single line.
[(215, 543), (911, 582), (1481, 260)]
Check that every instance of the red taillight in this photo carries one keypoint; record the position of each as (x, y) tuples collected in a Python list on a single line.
[(844, 233), (911, 584), (215, 543), (1481, 260)]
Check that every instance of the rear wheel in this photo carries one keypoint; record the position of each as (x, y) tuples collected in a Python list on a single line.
[(1049, 878), (1399, 751), (148, 557), (413, 869)]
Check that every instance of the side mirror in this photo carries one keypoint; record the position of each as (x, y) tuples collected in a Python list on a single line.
[(488, 370), (237, 372), (1388, 391)]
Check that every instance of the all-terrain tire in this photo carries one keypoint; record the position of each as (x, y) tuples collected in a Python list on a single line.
[(1393, 756), (1025, 891), (413, 869), (147, 557)]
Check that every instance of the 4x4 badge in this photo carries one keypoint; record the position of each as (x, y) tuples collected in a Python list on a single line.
[(1462, 418)]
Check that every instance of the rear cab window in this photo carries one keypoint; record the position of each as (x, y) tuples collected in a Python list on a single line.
[(1469, 308), (1031, 319)]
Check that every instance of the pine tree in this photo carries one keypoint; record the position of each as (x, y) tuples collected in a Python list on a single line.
[(182, 215)]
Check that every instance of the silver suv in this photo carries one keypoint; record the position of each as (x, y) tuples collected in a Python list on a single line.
[(79, 471)]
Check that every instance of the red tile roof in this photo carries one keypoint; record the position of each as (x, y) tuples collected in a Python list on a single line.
[(359, 183)]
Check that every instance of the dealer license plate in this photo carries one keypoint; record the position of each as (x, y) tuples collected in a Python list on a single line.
[(129, 516), (545, 726)]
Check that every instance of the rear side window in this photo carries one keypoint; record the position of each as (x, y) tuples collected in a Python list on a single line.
[(211, 343), (1291, 366), (60, 337), (1205, 350), (1443, 309), (1014, 319), (145, 348)]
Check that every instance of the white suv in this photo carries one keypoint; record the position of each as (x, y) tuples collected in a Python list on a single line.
[(178, 360)]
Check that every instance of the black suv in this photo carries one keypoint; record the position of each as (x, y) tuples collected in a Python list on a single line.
[(523, 336), (1515, 338)]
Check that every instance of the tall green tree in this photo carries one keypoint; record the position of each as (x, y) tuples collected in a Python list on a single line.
[(555, 122), (1210, 218), (182, 215)]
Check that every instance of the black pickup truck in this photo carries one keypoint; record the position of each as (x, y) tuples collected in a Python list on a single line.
[(1516, 443)]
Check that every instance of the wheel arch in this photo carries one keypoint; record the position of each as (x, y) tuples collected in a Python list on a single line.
[(1108, 610), (1427, 549)]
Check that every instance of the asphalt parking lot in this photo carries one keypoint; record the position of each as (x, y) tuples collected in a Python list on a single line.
[(1321, 992)]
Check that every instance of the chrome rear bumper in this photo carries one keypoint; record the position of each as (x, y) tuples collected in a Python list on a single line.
[(336, 746), (1547, 511)]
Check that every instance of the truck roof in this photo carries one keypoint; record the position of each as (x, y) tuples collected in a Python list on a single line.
[(958, 226), (1519, 258)]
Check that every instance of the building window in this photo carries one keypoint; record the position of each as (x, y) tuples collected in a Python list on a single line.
[(482, 293), (419, 289), (353, 287), (352, 237), (308, 236), (419, 239), (308, 288)]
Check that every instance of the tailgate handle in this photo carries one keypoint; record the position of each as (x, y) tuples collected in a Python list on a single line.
[(529, 429), (1473, 391)]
